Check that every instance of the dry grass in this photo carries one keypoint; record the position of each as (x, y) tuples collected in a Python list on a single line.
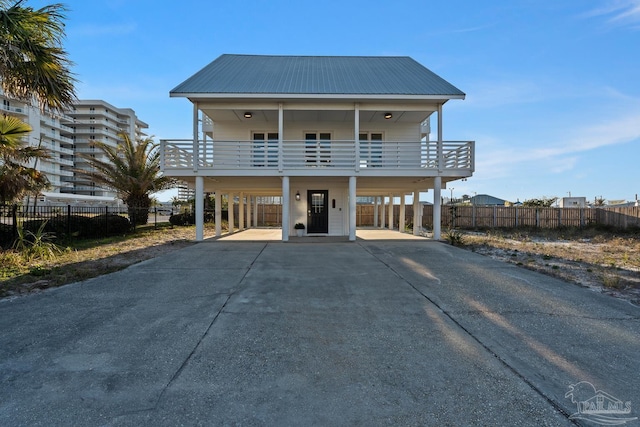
[(603, 261), (90, 258)]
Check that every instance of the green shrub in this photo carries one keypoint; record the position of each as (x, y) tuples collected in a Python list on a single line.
[(62, 226), (454, 237), (6, 236), (36, 245), (182, 219), (110, 224)]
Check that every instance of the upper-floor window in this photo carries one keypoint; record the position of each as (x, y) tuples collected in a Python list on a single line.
[(265, 149), (370, 149), (317, 147)]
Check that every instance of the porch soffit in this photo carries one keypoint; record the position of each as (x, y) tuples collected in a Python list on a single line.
[(237, 115), (371, 186)]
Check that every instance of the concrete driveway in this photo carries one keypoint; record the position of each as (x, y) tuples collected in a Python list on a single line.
[(373, 332)]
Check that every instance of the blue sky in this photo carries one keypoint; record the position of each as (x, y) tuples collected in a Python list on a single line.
[(553, 88)]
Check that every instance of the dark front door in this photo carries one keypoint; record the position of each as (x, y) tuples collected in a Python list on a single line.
[(318, 211)]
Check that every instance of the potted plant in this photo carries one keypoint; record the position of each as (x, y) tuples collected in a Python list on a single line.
[(299, 228)]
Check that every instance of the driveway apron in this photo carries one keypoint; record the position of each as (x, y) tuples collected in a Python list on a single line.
[(365, 333)]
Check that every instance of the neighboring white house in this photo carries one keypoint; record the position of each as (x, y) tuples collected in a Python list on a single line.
[(572, 202), (317, 131)]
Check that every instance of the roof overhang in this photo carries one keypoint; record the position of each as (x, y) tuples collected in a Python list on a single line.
[(311, 97)]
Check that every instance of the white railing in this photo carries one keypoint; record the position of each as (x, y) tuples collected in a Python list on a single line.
[(296, 155)]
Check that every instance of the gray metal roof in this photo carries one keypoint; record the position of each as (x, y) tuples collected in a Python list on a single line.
[(319, 75)]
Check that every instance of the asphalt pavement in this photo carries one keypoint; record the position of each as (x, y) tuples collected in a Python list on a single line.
[(372, 332)]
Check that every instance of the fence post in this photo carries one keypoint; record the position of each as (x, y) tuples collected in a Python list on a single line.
[(106, 221), (68, 220), (559, 217), (516, 217), (473, 215), (14, 217), (495, 216), (581, 217), (537, 218)]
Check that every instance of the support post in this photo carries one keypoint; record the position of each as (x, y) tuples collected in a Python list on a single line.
[(285, 208), (255, 211), (440, 152), (199, 208), (390, 211), (248, 211), (437, 207), (352, 208), (231, 215), (195, 158), (375, 211), (241, 212), (280, 136), (383, 213), (417, 214), (401, 219), (218, 213), (356, 137)]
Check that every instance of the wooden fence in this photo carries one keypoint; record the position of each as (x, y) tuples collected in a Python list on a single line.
[(471, 217)]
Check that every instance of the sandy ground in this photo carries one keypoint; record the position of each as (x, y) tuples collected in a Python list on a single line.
[(609, 266)]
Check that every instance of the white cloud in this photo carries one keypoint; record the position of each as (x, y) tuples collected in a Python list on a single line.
[(556, 154), (619, 13)]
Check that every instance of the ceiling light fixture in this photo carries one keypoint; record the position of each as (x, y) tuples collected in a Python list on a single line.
[(248, 115), (388, 115)]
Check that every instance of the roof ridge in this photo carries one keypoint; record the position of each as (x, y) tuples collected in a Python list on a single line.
[(314, 56)]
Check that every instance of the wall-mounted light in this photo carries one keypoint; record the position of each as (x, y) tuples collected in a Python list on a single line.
[(297, 196), (248, 115), (388, 115)]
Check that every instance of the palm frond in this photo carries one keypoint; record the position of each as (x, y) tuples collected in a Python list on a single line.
[(33, 63)]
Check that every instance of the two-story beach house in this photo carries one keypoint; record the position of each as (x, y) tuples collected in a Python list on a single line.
[(317, 131)]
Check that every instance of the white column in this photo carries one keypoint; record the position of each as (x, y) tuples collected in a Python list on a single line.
[(356, 138), (390, 211), (375, 211), (285, 208), (352, 208), (255, 211), (218, 214), (241, 212), (437, 187), (440, 152), (231, 215), (383, 213), (248, 211), (280, 135), (196, 151), (199, 208), (417, 214), (401, 219)]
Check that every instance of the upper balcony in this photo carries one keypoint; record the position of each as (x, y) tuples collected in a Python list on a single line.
[(318, 158)]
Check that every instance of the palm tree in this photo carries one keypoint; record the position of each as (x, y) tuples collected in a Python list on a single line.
[(133, 170), (17, 179), (33, 63)]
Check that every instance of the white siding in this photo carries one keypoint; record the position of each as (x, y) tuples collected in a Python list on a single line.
[(338, 190)]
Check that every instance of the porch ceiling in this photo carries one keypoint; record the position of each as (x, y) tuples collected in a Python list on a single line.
[(271, 116), (272, 186)]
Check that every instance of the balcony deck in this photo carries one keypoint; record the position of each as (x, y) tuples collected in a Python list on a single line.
[(317, 158)]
